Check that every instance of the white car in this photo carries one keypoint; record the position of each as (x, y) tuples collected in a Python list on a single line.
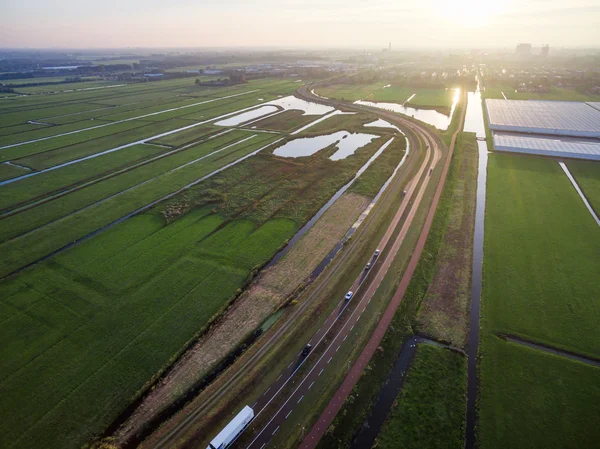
[(376, 253), (348, 296), (368, 266)]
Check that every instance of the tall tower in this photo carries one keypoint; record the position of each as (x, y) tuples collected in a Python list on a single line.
[(545, 51)]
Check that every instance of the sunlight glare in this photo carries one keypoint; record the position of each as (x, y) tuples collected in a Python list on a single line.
[(470, 13)]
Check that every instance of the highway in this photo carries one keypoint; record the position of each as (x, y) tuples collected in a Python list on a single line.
[(338, 326), (278, 401)]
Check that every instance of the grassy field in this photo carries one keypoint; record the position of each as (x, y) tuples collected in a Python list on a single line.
[(539, 282), (532, 399), (555, 303), (554, 93), (587, 175), (87, 329), (443, 314), (429, 411), (440, 99)]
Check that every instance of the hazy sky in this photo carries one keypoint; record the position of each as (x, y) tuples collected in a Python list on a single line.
[(298, 23)]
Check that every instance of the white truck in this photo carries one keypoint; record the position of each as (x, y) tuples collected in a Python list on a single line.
[(232, 430)]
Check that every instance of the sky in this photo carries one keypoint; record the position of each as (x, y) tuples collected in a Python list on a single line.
[(298, 23)]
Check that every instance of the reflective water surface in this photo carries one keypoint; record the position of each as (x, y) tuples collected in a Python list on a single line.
[(346, 143), (431, 116)]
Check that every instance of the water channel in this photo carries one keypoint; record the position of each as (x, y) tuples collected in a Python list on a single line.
[(474, 122)]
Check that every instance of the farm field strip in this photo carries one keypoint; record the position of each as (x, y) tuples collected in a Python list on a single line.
[(579, 192), (128, 119), (36, 247), (534, 325), (26, 218), (121, 147), (110, 197)]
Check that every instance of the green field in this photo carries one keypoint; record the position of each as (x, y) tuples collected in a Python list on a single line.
[(89, 328), (429, 411), (440, 99), (541, 267), (587, 175), (525, 233), (554, 93), (530, 399)]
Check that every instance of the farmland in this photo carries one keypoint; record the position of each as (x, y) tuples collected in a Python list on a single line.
[(89, 328), (429, 411), (587, 175), (440, 99), (554, 93), (542, 399)]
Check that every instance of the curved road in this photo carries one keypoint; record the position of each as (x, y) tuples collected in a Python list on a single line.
[(300, 387), (340, 322), (336, 403)]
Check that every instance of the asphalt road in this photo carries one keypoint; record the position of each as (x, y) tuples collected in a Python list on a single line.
[(336, 403)]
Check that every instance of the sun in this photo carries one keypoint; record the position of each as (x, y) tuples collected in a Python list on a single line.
[(470, 13)]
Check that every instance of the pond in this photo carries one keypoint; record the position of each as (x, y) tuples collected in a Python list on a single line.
[(346, 143), (431, 116)]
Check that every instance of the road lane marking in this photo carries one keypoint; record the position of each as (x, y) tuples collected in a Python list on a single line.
[(345, 338), (275, 431), (300, 399), (329, 360), (288, 414), (321, 372), (310, 386)]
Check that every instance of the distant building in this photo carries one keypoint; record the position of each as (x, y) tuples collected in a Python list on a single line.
[(523, 50), (545, 51)]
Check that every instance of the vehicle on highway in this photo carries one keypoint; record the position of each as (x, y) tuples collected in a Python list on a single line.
[(306, 349), (348, 296), (430, 171), (368, 266), (231, 431), (376, 253), (404, 193)]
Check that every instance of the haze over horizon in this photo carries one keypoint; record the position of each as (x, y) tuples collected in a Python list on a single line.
[(308, 23)]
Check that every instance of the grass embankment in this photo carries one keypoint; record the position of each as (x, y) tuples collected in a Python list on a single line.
[(444, 313), (554, 93), (429, 410), (587, 175), (540, 276), (147, 286), (285, 121), (372, 179)]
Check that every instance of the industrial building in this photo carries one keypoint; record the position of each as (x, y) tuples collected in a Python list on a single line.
[(549, 128), (560, 118), (570, 147)]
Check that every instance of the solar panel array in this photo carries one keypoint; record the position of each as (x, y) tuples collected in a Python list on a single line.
[(544, 117), (548, 146)]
